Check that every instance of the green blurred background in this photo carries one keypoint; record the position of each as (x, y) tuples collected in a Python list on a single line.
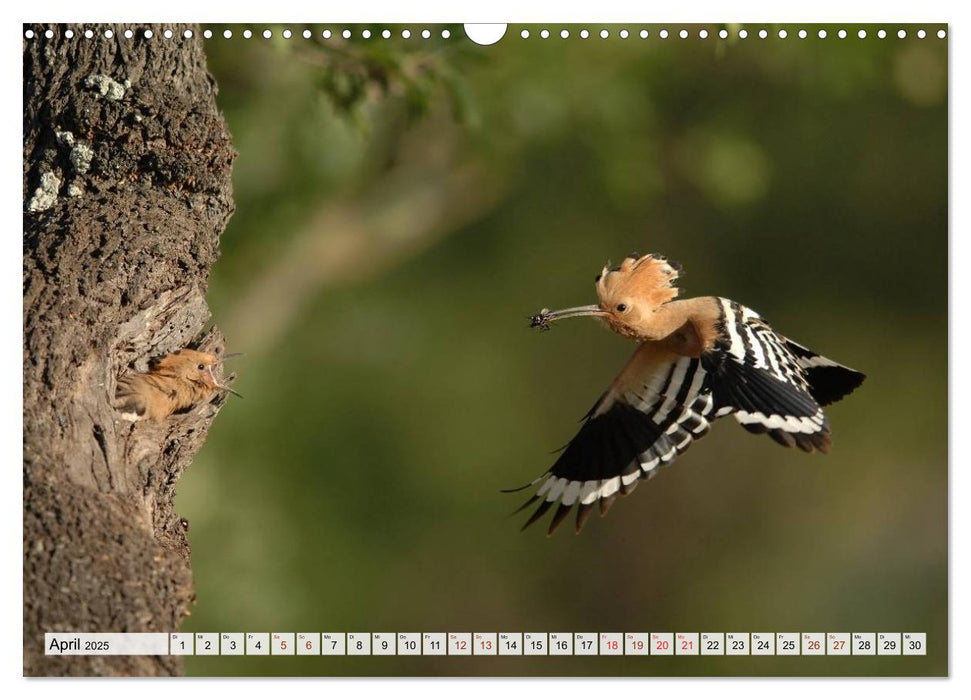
[(404, 205)]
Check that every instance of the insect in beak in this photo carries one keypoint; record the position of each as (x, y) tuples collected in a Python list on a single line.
[(545, 317)]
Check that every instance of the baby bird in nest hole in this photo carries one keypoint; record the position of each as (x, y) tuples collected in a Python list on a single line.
[(174, 383)]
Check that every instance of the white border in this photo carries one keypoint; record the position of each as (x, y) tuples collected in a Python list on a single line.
[(440, 11), (818, 11)]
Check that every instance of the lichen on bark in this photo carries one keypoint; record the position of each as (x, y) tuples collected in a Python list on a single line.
[(116, 266)]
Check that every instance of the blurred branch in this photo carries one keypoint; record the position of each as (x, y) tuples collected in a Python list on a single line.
[(348, 242)]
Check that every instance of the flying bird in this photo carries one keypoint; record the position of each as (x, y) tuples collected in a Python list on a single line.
[(697, 360), (173, 383)]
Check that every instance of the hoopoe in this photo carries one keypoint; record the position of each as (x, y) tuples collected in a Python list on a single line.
[(172, 384), (698, 360)]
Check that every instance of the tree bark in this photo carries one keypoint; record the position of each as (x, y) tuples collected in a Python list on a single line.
[(127, 165)]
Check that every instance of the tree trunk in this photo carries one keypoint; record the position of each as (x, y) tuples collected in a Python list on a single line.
[(127, 165)]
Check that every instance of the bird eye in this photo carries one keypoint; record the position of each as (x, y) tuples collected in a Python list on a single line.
[(201, 366), (622, 307)]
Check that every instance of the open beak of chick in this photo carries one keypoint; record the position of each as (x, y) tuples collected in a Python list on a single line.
[(215, 382)]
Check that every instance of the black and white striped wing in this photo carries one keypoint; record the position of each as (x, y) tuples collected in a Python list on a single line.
[(829, 381), (653, 411), (770, 383)]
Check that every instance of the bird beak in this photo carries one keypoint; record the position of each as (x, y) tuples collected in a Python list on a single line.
[(222, 386), (546, 317), (226, 388)]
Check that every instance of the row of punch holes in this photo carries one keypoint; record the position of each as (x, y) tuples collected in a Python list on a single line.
[(246, 34), (525, 34)]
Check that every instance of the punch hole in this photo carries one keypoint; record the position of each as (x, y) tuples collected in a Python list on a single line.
[(405, 33), (228, 34), (624, 33), (446, 34), (742, 33), (149, 34), (722, 33), (29, 34), (564, 34), (763, 34), (821, 34), (902, 34), (861, 33), (307, 34), (703, 34), (128, 34), (604, 33), (841, 33), (643, 34), (326, 34), (545, 34), (346, 33), (386, 34), (683, 34), (206, 33), (267, 34), (287, 34), (167, 33), (488, 34), (803, 34), (247, 34), (108, 34), (584, 34), (783, 33), (921, 33), (366, 34), (941, 33), (70, 33), (882, 34), (663, 33), (49, 34), (425, 34), (88, 34)]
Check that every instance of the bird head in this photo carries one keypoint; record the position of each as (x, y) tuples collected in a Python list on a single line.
[(191, 366), (627, 294)]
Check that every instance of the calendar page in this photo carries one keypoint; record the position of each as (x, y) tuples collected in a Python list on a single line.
[(417, 349)]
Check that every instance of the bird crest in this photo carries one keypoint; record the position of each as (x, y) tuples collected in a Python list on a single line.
[(646, 279)]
